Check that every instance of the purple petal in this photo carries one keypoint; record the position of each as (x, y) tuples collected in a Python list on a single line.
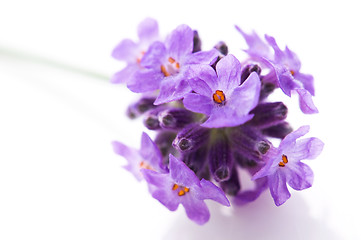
[(278, 188), (225, 117), (154, 56), (257, 47), (301, 176), (211, 191), (182, 174), (126, 50), (148, 30), (291, 138), (203, 79), (268, 169), (150, 152), (125, 74), (286, 80), (196, 210), (160, 187), (229, 73), (307, 81), (305, 100), (198, 103), (203, 57), (145, 80), (292, 60), (180, 42), (279, 55), (308, 148), (173, 88), (245, 97)]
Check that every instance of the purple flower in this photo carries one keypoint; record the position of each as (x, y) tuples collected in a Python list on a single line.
[(148, 157), (166, 66), (285, 69), (283, 164), (220, 95), (182, 186), (132, 52)]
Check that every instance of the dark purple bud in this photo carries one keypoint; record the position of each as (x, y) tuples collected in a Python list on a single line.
[(197, 43), (175, 118), (248, 69), (164, 141), (266, 89), (232, 185), (191, 137), (249, 142), (222, 48), (141, 106), (220, 159), (244, 161), (151, 119), (278, 131), (196, 160), (268, 114)]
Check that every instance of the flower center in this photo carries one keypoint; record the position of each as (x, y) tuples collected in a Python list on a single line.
[(145, 165), (181, 190), (170, 68), (219, 97), (139, 58), (284, 161)]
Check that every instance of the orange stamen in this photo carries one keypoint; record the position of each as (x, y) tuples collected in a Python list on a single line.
[(177, 65), (171, 60), (164, 71), (186, 189), (284, 161), (292, 72), (175, 186), (181, 193), (219, 96)]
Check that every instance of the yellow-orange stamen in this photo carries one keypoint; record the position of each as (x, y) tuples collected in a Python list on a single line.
[(219, 97), (182, 190), (292, 72), (145, 165), (171, 60), (181, 193), (164, 71), (177, 65), (284, 161)]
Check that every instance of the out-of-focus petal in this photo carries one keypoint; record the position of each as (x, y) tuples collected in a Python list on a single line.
[(151, 153), (126, 50), (203, 57), (307, 81), (145, 80), (172, 88), (180, 42), (148, 30), (154, 57), (125, 74), (211, 191)]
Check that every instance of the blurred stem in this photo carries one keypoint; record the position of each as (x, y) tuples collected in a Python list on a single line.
[(28, 57)]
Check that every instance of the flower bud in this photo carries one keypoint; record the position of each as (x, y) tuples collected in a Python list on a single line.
[(268, 114), (197, 43), (232, 185), (141, 106), (247, 70), (191, 138), (220, 159), (175, 118), (278, 131)]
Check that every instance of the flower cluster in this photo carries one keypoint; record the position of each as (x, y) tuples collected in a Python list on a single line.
[(212, 118)]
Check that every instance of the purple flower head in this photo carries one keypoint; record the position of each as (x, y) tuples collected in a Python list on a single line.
[(283, 164), (148, 157), (132, 52), (182, 186), (220, 95), (285, 69), (166, 66)]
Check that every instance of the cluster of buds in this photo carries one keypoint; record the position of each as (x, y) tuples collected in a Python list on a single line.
[(212, 118)]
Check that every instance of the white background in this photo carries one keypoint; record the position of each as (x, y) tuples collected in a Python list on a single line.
[(59, 178)]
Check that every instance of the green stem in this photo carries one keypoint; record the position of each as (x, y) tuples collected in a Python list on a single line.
[(27, 57)]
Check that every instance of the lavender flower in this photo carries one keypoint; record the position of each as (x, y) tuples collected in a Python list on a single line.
[(167, 66), (283, 164), (132, 52), (214, 115), (182, 186), (285, 69), (220, 95), (148, 157)]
